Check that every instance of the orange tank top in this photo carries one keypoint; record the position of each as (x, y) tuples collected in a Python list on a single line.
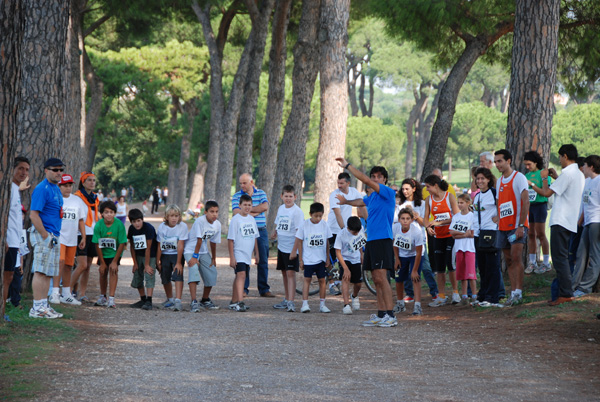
[(441, 211), (509, 206)]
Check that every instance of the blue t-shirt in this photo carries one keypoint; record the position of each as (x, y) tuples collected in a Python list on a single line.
[(381, 207), (258, 197), (48, 201)]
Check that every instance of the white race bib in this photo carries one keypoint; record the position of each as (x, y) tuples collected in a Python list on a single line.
[(461, 226), (532, 195), (23, 239), (247, 230), (358, 242), (284, 224), (69, 214), (506, 210), (442, 217), (139, 242), (208, 234), (170, 243), (315, 241), (402, 242), (108, 243)]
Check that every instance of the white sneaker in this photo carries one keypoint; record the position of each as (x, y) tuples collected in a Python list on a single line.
[(42, 313), (347, 309), (387, 322), (54, 298), (52, 311), (438, 301), (399, 307), (305, 309), (372, 321), (355, 302), (324, 309), (531, 267), (70, 300), (102, 301), (455, 298)]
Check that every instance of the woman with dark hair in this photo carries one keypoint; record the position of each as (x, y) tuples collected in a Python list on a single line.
[(488, 261), (442, 205), (538, 212)]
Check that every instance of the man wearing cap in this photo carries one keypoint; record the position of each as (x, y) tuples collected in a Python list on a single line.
[(46, 217), (85, 256)]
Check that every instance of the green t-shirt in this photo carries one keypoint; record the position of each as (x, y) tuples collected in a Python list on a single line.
[(536, 178), (109, 238)]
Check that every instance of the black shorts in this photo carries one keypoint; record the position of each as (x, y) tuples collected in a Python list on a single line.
[(355, 272), (90, 248), (538, 212), (167, 272), (331, 249), (317, 269), (242, 267), (285, 264), (379, 254), (443, 254), (109, 261), (10, 259)]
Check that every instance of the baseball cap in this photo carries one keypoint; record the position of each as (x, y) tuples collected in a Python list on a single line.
[(53, 162), (66, 178)]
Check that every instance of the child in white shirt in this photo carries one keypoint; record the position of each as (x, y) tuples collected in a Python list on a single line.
[(461, 230), (348, 247)]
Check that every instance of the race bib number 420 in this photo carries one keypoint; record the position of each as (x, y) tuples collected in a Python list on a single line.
[(108, 243), (506, 209)]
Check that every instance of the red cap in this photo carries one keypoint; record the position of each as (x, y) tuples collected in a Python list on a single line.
[(66, 178)]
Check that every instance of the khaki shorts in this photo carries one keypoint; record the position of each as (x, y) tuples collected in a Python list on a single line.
[(140, 276), (46, 254)]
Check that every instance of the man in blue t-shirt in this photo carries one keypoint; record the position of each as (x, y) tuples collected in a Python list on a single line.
[(46, 218), (379, 251)]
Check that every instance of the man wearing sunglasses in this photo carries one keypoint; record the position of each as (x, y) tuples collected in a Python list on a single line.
[(46, 217)]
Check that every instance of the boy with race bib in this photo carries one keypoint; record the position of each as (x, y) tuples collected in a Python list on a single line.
[(462, 232), (171, 236), (142, 238), (110, 240), (348, 247)]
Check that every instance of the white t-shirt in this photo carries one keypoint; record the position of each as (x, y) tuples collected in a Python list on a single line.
[(201, 229), (421, 211), (350, 245), (121, 209), (591, 201), (463, 223), (74, 210), (568, 190), (169, 237), (123, 192), (488, 211), (15, 218), (314, 241), (244, 232), (345, 210), (287, 222), (407, 242)]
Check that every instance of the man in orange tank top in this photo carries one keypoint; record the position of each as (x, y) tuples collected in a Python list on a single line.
[(513, 208)]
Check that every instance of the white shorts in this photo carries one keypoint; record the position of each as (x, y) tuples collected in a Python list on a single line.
[(46, 256), (203, 270)]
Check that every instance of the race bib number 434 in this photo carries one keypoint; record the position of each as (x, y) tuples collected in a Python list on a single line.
[(461, 226)]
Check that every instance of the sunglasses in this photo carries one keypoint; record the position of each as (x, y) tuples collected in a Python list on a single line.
[(57, 169)]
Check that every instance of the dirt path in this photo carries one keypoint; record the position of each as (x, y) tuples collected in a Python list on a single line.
[(264, 354)]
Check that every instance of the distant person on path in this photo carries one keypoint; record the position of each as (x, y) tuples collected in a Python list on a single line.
[(260, 204), (130, 194), (122, 209), (379, 250), (538, 212), (513, 208), (100, 196), (155, 201), (568, 188), (46, 218), (165, 195), (123, 192)]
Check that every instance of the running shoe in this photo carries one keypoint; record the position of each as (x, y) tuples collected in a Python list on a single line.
[(513, 300), (324, 309), (531, 267), (281, 305), (355, 302), (408, 299), (455, 298), (42, 313), (58, 315), (305, 308), (138, 304), (400, 307), (111, 304), (176, 305), (241, 307), (54, 298), (167, 304), (194, 306), (418, 310), (543, 268), (147, 305), (334, 290), (579, 293), (387, 322), (70, 300), (373, 321), (438, 301), (209, 305), (102, 302), (347, 309), (291, 308), (83, 299)]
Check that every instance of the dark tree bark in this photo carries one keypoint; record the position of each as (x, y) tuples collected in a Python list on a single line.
[(247, 120), (361, 96), (475, 46), (95, 86), (178, 188), (533, 78), (292, 152), (353, 74), (333, 35), (197, 193), (371, 95), (424, 130), (11, 31), (414, 118), (275, 98)]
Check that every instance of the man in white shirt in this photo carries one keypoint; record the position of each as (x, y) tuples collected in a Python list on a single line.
[(568, 188)]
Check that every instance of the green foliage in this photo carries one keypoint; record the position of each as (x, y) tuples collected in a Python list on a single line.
[(579, 125)]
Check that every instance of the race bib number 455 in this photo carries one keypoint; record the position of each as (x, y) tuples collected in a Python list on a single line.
[(170, 243), (316, 240)]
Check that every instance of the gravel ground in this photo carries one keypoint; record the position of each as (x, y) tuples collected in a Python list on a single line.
[(266, 354)]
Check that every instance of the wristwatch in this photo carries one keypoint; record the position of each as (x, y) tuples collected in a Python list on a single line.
[(521, 225)]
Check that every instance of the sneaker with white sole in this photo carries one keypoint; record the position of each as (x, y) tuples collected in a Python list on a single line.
[(355, 302), (387, 322), (513, 300), (70, 300), (531, 267), (324, 309), (194, 306), (54, 298), (408, 299), (168, 303), (455, 298), (438, 301), (51, 310), (232, 305), (281, 305), (111, 304), (241, 307), (579, 293), (42, 313), (418, 310), (543, 268), (102, 301), (334, 290), (400, 307), (347, 309), (372, 321), (176, 305), (209, 305), (305, 308), (291, 307)]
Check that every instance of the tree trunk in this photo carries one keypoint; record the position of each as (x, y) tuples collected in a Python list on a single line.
[(361, 96), (352, 75), (333, 35), (292, 152), (95, 88), (177, 193), (11, 31), (275, 97), (247, 120), (371, 95), (416, 112), (197, 193), (424, 131), (533, 78), (45, 81)]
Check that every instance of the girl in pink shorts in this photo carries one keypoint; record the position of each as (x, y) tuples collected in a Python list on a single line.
[(461, 230)]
